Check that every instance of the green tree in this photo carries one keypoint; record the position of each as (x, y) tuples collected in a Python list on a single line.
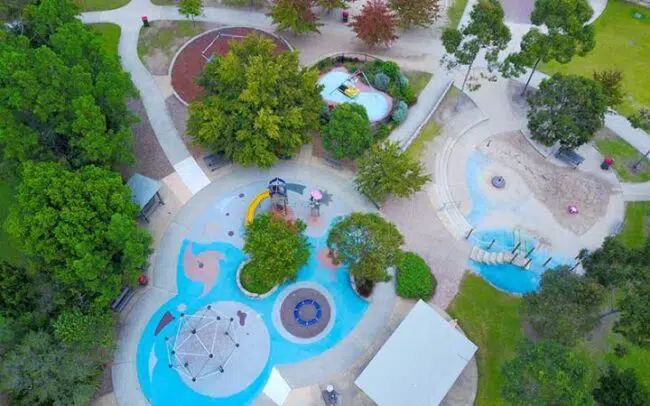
[(38, 371), (93, 331), (384, 170), (485, 31), (17, 294), (411, 13), (566, 306), (640, 119), (191, 9), (12, 10), (566, 34), (278, 249), (42, 18), (330, 5), (547, 373), (634, 321), (612, 83), (347, 134), (568, 109), (414, 278), (258, 105), (367, 244), (296, 15), (618, 387), (80, 227), (376, 24), (67, 102)]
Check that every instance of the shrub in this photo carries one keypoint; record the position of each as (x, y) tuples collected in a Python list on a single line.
[(400, 112), (382, 81), (325, 114), (403, 80), (391, 69), (409, 95), (324, 64), (347, 134), (278, 249), (414, 278), (382, 132)]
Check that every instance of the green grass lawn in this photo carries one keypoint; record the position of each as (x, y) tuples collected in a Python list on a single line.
[(491, 319), (637, 224), (110, 34), (8, 248), (624, 155), (430, 131), (418, 80), (455, 12), (637, 358), (622, 43), (96, 5), (163, 38)]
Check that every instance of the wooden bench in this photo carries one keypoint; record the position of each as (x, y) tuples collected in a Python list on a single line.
[(122, 300), (335, 163)]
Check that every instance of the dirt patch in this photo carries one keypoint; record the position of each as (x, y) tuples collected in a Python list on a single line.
[(150, 158), (453, 105), (195, 55), (555, 187), (318, 150), (159, 42)]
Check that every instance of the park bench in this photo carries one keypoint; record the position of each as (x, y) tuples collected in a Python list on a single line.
[(215, 161), (333, 162), (569, 156), (122, 300)]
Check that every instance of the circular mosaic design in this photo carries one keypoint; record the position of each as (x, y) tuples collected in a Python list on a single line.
[(304, 313), (220, 349)]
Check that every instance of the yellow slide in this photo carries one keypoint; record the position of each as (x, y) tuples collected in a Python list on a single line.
[(253, 206)]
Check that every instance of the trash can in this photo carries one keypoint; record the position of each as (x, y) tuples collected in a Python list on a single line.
[(345, 16), (607, 162), (145, 21)]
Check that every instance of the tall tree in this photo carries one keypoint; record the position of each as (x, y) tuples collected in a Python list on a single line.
[(566, 306), (376, 24), (411, 13), (565, 33), (347, 133), (641, 119), (81, 226), (12, 10), (485, 31), (547, 373), (330, 5), (634, 321), (42, 18), (39, 371), (17, 294), (384, 170), (566, 109), (612, 83), (296, 15), (618, 387), (191, 9), (258, 105), (367, 244)]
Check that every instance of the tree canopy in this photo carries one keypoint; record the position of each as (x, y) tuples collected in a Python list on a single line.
[(65, 101), (547, 373), (411, 13), (278, 250), (330, 5), (384, 170), (81, 226), (612, 83), (485, 31), (347, 133), (634, 321), (258, 105), (376, 24), (42, 18), (565, 35), (566, 306), (296, 15), (367, 244), (620, 387), (191, 8), (568, 109)]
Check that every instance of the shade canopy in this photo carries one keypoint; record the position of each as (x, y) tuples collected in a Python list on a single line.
[(143, 189), (419, 363)]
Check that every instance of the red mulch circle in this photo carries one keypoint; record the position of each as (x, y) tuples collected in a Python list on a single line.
[(190, 61)]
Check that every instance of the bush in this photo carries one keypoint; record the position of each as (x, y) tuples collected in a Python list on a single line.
[(278, 249), (400, 112), (414, 278), (325, 114), (347, 134), (382, 81), (403, 80), (391, 69), (409, 95), (382, 132)]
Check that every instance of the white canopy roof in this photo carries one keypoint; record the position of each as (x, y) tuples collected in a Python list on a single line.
[(419, 363)]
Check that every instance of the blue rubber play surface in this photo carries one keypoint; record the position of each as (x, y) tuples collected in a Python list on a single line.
[(375, 103), (163, 384)]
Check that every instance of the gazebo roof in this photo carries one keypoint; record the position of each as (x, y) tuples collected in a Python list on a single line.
[(419, 363), (143, 189)]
